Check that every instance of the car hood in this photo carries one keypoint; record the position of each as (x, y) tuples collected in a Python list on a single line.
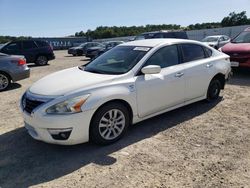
[(236, 47), (68, 81)]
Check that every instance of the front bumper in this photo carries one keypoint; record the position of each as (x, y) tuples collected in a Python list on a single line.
[(71, 51), (42, 127), (242, 62)]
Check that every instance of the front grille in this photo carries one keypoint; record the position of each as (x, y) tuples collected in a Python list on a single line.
[(30, 105)]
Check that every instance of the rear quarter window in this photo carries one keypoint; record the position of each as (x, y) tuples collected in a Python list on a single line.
[(208, 51), (42, 43)]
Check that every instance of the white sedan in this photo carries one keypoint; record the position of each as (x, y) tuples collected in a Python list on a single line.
[(130, 83)]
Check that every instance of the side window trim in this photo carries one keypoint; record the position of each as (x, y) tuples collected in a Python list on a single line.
[(138, 73), (182, 54)]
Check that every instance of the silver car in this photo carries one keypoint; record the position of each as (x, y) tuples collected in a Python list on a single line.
[(216, 41), (12, 69)]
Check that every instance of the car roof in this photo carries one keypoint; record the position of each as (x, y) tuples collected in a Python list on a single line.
[(156, 42)]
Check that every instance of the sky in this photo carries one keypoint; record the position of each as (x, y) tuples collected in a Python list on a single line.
[(57, 18)]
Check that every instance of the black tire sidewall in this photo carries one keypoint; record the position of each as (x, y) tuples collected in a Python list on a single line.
[(37, 63), (9, 81), (94, 125), (210, 95)]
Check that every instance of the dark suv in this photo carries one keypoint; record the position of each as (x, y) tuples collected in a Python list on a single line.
[(35, 51), (162, 34)]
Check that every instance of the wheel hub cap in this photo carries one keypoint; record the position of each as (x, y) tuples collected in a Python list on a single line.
[(112, 124)]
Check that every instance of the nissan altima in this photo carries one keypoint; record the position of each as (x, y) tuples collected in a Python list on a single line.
[(130, 83)]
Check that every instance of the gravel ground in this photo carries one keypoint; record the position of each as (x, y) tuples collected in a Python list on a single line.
[(200, 145)]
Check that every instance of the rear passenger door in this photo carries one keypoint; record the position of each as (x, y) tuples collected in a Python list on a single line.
[(30, 50), (196, 60)]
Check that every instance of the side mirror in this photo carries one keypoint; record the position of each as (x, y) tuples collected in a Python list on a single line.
[(151, 69)]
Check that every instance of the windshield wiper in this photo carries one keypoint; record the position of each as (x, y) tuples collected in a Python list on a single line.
[(94, 71)]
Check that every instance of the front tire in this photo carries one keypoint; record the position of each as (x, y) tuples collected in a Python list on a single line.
[(4, 81), (109, 123), (41, 60), (213, 91)]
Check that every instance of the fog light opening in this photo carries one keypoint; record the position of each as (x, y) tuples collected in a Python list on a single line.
[(60, 134)]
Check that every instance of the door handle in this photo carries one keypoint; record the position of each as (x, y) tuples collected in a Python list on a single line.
[(209, 65), (179, 74)]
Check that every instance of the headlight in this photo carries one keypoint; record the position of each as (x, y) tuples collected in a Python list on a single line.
[(69, 106)]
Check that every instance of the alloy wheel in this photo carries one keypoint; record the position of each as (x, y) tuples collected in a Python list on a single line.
[(112, 124), (4, 82)]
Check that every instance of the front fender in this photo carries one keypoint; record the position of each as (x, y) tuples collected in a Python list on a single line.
[(101, 96)]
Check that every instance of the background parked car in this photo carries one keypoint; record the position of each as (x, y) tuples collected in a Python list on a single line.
[(12, 69), (239, 49), (162, 34), (35, 51), (216, 41), (81, 49), (98, 50)]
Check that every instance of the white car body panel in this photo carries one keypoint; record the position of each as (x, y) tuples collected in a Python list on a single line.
[(147, 95)]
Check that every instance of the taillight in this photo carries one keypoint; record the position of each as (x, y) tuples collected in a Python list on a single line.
[(21, 62)]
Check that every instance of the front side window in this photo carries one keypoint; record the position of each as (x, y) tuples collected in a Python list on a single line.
[(118, 60), (164, 57), (13, 46), (243, 37), (192, 52)]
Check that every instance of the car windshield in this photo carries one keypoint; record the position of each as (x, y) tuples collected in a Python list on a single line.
[(2, 45), (243, 37), (118, 60), (210, 39)]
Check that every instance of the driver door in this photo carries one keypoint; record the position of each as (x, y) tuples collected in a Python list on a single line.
[(156, 92)]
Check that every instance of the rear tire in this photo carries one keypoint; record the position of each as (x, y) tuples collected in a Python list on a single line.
[(109, 123), (213, 91), (4, 81), (41, 60)]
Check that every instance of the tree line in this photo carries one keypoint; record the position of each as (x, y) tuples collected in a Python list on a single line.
[(233, 19)]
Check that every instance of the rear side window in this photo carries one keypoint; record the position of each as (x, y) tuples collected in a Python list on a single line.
[(180, 35), (42, 43), (192, 52), (29, 45), (164, 57), (169, 35)]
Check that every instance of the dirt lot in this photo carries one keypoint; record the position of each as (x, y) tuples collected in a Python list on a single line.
[(200, 145)]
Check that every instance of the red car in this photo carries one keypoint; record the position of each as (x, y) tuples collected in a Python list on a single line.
[(239, 49)]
